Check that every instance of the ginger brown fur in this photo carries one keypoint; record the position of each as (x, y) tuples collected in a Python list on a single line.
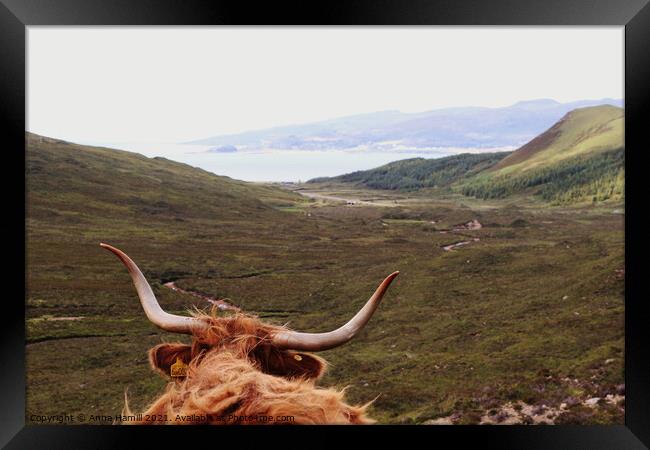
[(236, 376)]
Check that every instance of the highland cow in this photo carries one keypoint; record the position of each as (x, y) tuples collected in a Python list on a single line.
[(239, 370)]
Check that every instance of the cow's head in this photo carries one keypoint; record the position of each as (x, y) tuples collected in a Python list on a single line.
[(241, 370)]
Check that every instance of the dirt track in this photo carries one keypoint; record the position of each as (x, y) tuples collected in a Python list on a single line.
[(346, 200)]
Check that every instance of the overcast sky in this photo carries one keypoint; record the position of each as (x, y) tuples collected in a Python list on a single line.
[(163, 84)]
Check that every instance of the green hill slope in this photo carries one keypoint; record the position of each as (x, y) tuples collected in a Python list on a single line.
[(418, 173), (581, 131), (121, 185), (579, 159), (79, 196)]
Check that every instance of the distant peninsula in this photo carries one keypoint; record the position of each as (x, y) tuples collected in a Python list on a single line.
[(223, 149)]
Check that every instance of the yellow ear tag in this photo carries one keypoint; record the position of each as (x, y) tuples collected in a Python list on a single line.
[(297, 357), (178, 369)]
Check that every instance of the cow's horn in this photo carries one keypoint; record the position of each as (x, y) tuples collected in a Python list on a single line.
[(166, 321), (323, 341)]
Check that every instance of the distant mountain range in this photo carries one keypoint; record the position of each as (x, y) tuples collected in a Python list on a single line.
[(466, 127), (581, 158)]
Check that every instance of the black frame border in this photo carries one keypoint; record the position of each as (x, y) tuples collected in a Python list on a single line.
[(634, 15)]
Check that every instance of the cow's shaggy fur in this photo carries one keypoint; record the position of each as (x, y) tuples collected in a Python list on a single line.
[(236, 376)]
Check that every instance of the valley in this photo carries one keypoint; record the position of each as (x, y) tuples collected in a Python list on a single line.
[(530, 312)]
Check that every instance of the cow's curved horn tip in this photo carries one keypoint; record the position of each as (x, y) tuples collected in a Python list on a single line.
[(106, 246), (392, 276)]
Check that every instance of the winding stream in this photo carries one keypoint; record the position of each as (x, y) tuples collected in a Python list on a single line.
[(456, 245)]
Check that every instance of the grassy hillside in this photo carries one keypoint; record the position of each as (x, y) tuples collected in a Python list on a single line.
[(418, 173), (78, 196), (532, 311), (579, 179), (580, 159), (580, 132), (124, 185)]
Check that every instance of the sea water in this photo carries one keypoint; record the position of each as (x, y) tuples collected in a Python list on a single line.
[(274, 165)]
